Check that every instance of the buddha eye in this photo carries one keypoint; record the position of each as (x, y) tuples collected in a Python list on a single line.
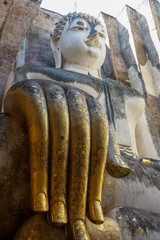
[(102, 35), (78, 28)]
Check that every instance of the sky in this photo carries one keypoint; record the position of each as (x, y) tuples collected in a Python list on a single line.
[(111, 7)]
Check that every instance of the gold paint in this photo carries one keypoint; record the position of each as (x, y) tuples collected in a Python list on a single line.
[(48, 116), (34, 234), (141, 229), (146, 161), (79, 230), (134, 219), (58, 214), (115, 166), (99, 147), (29, 106), (79, 155), (107, 184), (59, 142), (96, 212), (40, 201), (101, 227)]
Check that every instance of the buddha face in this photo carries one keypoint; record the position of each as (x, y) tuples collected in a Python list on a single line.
[(83, 43)]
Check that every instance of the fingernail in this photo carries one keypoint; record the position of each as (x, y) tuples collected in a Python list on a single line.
[(79, 230), (117, 168), (96, 212), (41, 203), (59, 213)]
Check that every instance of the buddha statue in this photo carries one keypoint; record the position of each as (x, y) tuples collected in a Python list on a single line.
[(71, 137)]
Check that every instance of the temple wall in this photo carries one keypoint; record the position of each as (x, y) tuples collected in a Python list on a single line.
[(16, 18), (36, 48)]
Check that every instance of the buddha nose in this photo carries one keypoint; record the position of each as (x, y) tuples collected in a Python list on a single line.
[(93, 35)]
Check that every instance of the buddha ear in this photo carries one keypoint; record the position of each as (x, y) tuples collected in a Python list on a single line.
[(56, 51)]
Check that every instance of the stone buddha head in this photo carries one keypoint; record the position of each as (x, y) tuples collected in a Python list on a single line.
[(78, 44)]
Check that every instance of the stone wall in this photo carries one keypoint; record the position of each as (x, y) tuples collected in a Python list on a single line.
[(16, 18), (35, 49)]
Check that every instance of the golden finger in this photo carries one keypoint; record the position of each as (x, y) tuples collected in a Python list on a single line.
[(99, 146), (115, 166), (26, 102), (59, 142), (79, 159)]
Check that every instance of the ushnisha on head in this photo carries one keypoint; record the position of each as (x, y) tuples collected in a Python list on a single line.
[(78, 44)]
